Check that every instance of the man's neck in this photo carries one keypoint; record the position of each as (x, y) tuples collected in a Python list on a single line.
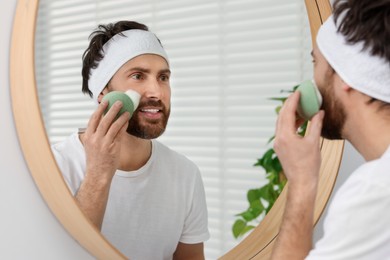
[(369, 133), (135, 152)]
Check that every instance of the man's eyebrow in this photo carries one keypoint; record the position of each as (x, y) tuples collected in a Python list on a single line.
[(138, 69), (165, 71), (312, 53), (144, 70)]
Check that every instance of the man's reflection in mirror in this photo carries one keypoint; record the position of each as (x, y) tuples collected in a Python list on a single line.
[(146, 199)]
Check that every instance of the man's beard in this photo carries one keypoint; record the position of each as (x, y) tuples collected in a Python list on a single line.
[(335, 115), (148, 129)]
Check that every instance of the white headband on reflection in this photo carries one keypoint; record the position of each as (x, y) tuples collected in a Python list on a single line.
[(121, 48), (357, 67)]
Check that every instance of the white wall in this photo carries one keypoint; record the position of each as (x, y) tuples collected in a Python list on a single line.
[(27, 227)]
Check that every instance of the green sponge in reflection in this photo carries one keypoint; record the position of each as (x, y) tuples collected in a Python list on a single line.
[(310, 100), (130, 100)]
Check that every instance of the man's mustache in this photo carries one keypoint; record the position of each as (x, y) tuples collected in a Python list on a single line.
[(152, 103)]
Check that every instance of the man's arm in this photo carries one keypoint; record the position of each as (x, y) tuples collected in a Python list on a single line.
[(300, 158), (295, 236), (189, 252), (102, 148), (92, 198)]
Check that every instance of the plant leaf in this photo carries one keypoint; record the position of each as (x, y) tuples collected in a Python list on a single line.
[(278, 98), (238, 227), (247, 215), (265, 194), (253, 195), (256, 208), (266, 160), (276, 166), (295, 88), (271, 139), (277, 109)]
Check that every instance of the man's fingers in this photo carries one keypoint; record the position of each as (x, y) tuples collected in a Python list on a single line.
[(287, 115), (118, 126), (123, 130), (109, 118), (95, 118), (315, 127)]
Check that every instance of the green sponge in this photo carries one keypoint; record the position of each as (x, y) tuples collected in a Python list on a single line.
[(130, 100), (310, 100)]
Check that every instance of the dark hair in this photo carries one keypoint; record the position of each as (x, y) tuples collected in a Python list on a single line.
[(93, 54), (366, 21)]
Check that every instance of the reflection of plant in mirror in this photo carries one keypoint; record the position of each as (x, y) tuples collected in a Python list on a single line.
[(262, 199)]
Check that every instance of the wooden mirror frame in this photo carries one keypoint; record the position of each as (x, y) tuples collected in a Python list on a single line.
[(48, 178)]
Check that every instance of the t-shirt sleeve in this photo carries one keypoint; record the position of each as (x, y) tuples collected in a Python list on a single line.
[(196, 223), (356, 224), (67, 159)]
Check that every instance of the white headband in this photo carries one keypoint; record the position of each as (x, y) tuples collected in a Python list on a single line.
[(121, 48), (357, 67)]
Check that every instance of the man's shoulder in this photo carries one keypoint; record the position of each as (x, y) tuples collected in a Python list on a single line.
[(375, 171), (67, 143), (67, 148), (167, 152), (370, 176)]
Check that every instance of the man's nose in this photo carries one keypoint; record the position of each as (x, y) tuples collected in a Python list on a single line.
[(153, 89)]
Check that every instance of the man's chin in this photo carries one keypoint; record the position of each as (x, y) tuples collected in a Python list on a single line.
[(147, 128), (146, 133)]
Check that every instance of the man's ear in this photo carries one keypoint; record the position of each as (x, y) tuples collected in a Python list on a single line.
[(345, 86), (101, 95)]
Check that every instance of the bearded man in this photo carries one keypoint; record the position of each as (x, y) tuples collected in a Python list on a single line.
[(352, 72), (146, 199)]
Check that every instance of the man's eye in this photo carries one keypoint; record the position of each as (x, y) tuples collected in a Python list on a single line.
[(164, 77), (136, 76)]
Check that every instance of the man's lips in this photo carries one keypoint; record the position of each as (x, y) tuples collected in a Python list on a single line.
[(151, 112)]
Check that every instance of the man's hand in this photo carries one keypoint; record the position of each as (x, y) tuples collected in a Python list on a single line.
[(102, 141), (102, 144), (300, 158)]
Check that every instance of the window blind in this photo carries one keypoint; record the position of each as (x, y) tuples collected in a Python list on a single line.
[(228, 57)]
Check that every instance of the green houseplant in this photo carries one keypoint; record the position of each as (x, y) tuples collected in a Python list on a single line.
[(261, 199)]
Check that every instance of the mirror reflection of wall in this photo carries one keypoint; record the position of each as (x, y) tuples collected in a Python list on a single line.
[(228, 57)]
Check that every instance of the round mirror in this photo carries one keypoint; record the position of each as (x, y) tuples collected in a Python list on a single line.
[(230, 82)]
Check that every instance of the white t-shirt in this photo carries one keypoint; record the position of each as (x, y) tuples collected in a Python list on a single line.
[(357, 225), (151, 210)]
